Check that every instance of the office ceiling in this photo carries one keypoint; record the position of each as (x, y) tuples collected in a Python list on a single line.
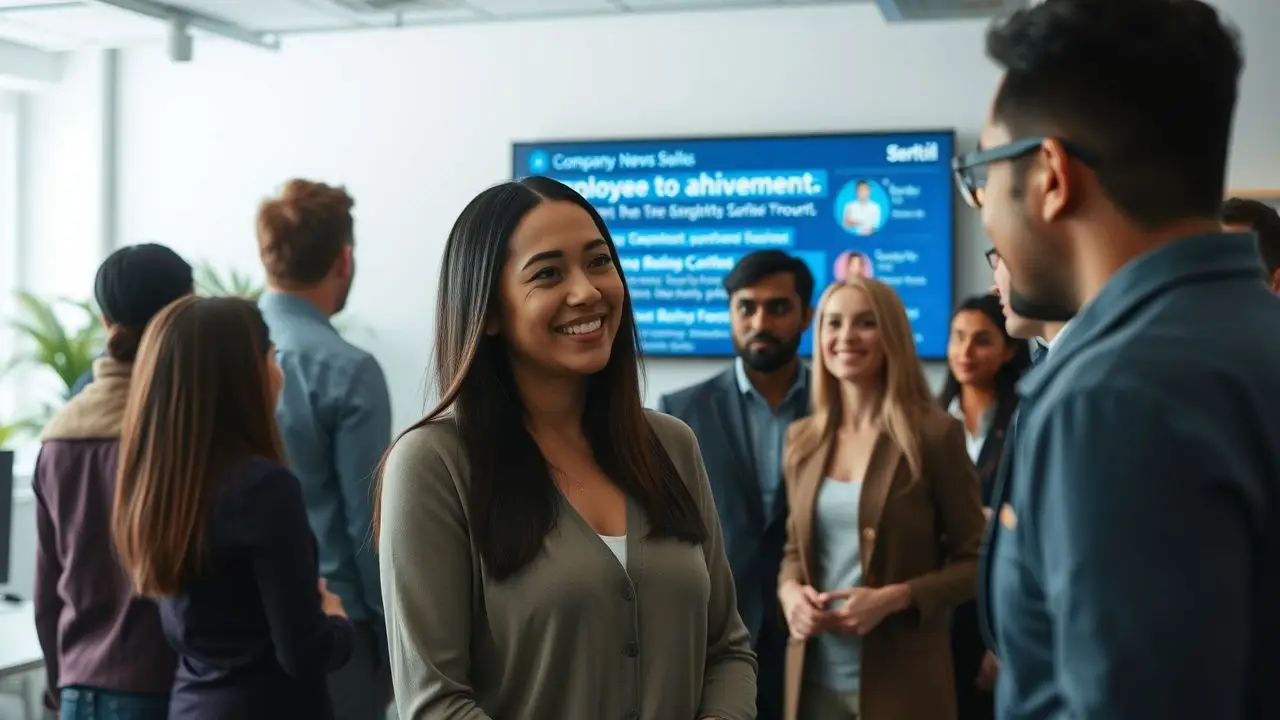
[(59, 25)]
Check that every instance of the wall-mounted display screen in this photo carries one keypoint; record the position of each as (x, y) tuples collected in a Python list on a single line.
[(683, 211)]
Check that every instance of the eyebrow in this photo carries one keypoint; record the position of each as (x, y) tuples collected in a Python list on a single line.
[(557, 254)]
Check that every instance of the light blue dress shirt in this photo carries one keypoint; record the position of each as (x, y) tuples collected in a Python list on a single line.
[(335, 421)]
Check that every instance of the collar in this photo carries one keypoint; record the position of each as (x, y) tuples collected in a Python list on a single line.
[(1185, 261), (984, 423), (799, 385), (282, 303), (98, 411), (1057, 339)]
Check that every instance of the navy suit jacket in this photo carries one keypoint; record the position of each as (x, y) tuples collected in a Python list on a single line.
[(1133, 568), (752, 541)]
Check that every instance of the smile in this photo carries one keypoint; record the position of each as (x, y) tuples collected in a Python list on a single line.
[(583, 328)]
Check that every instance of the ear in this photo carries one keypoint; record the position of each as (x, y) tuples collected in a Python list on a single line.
[(345, 263), (1275, 281), (105, 322), (1053, 179), (492, 325), (806, 318)]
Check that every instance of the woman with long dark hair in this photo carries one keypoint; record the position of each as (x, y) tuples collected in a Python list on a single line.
[(210, 523), (983, 367), (984, 364), (550, 549)]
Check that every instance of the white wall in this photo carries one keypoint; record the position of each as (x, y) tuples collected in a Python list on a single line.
[(417, 122), (63, 178), (59, 233)]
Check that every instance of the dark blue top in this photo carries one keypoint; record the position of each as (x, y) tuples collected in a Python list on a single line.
[(252, 639), (1134, 567)]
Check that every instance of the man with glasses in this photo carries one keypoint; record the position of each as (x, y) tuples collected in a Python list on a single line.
[(1133, 570), (1042, 335)]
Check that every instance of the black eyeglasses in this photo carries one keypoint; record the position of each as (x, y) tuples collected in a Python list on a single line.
[(971, 169), (993, 257)]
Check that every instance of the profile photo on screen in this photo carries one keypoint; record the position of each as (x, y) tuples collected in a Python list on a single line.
[(852, 264), (863, 207)]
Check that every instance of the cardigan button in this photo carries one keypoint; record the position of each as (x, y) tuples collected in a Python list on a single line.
[(628, 594), (631, 649), (632, 715)]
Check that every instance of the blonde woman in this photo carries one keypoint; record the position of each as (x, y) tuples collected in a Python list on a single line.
[(885, 523)]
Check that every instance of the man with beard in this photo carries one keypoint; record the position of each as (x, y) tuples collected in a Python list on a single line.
[(740, 417), (334, 416), (1134, 566)]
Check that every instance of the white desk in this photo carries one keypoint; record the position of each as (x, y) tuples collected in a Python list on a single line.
[(20, 648)]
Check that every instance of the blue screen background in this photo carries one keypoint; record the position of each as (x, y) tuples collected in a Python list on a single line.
[(683, 211)]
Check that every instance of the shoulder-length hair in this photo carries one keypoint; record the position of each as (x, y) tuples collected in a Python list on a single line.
[(200, 401), (1007, 376), (905, 394), (513, 502)]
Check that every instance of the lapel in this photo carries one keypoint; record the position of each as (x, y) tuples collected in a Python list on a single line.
[(881, 471), (808, 472), (999, 495), (882, 468), (992, 450), (727, 410)]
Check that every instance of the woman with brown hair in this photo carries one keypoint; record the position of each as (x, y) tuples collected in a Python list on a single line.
[(885, 522), (209, 522), (549, 549)]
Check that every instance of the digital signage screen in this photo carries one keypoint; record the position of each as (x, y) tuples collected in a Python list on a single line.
[(683, 211)]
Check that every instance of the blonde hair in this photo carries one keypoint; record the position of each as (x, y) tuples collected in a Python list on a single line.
[(906, 396)]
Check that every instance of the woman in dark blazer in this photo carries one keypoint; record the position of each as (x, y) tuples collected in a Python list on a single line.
[(983, 367), (210, 523)]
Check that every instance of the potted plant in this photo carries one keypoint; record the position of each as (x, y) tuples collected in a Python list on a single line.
[(66, 348), (209, 281)]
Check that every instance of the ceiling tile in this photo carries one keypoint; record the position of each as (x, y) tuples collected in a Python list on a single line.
[(426, 16), (272, 15), (531, 8), (80, 26), (694, 4), (9, 4)]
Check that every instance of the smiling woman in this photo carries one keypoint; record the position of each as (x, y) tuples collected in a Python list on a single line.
[(539, 514)]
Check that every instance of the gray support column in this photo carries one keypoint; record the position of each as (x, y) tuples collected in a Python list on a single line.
[(110, 152)]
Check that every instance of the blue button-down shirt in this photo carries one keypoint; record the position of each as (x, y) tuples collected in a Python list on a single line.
[(335, 422), (1134, 567), (767, 428)]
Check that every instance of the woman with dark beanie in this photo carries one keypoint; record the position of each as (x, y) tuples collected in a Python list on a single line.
[(104, 651)]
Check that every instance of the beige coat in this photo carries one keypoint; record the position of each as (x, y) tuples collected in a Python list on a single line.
[(924, 533)]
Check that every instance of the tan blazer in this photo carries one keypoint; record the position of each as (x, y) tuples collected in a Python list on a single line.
[(923, 532)]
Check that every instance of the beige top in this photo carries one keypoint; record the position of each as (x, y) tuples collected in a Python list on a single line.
[(573, 636)]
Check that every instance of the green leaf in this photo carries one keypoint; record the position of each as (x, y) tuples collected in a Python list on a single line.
[(211, 282), (67, 349)]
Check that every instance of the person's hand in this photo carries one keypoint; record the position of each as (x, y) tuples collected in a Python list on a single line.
[(803, 609), (330, 604), (860, 610), (987, 673)]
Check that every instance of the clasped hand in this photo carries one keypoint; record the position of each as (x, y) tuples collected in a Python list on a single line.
[(852, 611)]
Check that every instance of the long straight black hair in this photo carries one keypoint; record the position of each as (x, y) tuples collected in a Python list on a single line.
[(1008, 374), (513, 501)]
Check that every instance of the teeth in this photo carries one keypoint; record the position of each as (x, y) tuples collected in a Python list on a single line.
[(582, 328)]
